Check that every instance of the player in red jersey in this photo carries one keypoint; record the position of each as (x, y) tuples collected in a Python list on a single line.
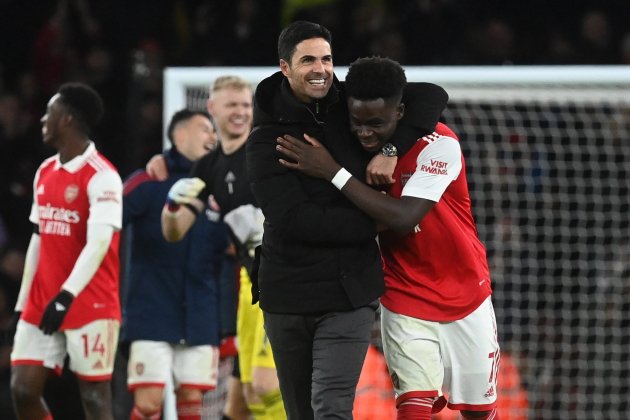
[(438, 323), (69, 300)]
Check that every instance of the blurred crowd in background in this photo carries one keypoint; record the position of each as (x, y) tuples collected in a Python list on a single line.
[(121, 47)]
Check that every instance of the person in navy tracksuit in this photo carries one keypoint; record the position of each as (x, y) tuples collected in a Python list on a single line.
[(172, 312)]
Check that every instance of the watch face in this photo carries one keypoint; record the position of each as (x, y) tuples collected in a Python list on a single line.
[(389, 150)]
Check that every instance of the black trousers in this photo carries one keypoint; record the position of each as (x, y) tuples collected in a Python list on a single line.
[(319, 360)]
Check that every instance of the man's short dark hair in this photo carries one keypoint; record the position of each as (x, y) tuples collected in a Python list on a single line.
[(183, 115), (84, 103), (375, 77), (297, 32)]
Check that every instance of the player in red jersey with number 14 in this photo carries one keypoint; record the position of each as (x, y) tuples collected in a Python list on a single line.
[(69, 300)]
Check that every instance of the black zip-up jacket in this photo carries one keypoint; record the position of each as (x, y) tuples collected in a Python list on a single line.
[(319, 252)]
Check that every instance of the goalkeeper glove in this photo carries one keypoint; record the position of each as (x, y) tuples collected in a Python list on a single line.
[(55, 312), (246, 223), (185, 190)]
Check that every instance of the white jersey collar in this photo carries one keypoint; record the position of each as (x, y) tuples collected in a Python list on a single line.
[(77, 162)]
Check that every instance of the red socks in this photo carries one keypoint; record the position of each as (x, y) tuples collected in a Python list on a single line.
[(415, 409), (189, 410)]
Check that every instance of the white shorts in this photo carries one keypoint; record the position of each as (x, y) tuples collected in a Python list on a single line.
[(459, 357), (91, 348), (151, 363)]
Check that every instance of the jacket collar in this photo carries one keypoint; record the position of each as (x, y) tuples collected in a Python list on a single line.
[(275, 102), (176, 162)]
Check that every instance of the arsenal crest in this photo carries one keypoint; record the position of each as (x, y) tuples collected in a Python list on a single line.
[(72, 191)]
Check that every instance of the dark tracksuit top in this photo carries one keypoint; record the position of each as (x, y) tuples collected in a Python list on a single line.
[(173, 292)]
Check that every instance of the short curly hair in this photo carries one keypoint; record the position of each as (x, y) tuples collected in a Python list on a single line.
[(375, 77), (83, 103)]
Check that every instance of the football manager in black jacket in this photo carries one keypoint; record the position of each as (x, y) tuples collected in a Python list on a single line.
[(320, 272)]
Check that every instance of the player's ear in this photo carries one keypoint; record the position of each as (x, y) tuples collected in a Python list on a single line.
[(284, 67), (67, 119), (400, 111), (179, 135)]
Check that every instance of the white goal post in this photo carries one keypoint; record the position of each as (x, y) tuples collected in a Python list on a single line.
[(478, 82), (548, 160)]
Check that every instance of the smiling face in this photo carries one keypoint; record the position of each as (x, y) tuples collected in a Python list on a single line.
[(195, 137), (310, 72), (232, 111), (374, 121)]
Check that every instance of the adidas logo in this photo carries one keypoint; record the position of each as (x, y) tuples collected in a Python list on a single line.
[(59, 307), (98, 365), (490, 392)]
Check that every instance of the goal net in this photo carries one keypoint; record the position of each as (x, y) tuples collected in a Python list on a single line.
[(548, 156)]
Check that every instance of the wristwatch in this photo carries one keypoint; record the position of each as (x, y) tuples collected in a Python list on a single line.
[(389, 150)]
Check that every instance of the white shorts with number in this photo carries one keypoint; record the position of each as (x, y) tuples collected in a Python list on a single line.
[(152, 362), (459, 357), (91, 348)]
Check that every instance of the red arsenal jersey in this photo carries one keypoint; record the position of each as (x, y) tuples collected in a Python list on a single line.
[(67, 198), (438, 272)]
